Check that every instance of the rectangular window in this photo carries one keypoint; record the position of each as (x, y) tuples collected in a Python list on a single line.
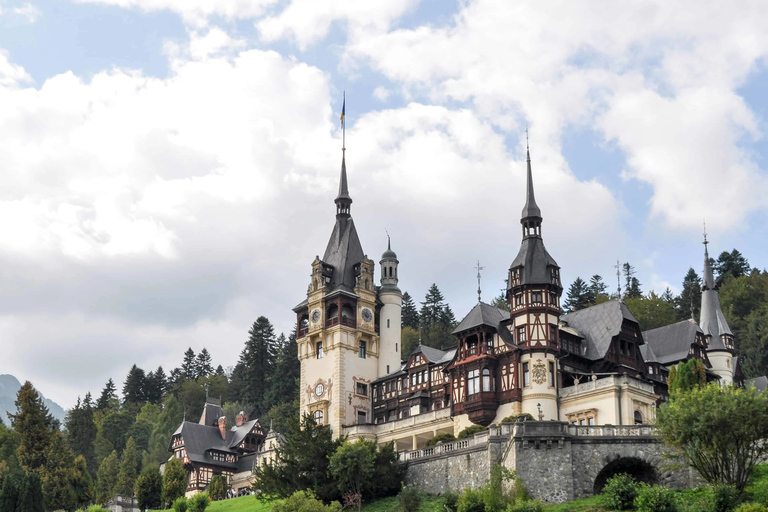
[(526, 376), (551, 374), (581, 422), (387, 323), (552, 334), (361, 349), (521, 334), (590, 421), (361, 417), (473, 382), (519, 299), (387, 369), (319, 350), (413, 379), (361, 389), (536, 297)]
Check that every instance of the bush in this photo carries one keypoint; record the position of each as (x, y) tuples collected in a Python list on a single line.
[(470, 431), (198, 502), (752, 507), (526, 506), (620, 492), (440, 438), (471, 500), (654, 498), (518, 417), (180, 504), (410, 498), (758, 484), (451, 500), (723, 498), (96, 508), (304, 501), (218, 487)]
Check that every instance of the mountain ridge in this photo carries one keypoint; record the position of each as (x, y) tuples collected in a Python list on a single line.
[(9, 387)]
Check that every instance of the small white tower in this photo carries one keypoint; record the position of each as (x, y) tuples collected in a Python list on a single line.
[(391, 313)]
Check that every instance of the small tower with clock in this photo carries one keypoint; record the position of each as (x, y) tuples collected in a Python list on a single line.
[(533, 293), (338, 335)]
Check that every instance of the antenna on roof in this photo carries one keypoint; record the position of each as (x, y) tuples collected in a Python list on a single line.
[(618, 277), (705, 242), (693, 316), (526, 138), (478, 268)]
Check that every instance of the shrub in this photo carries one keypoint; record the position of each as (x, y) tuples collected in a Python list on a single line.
[(723, 498), (304, 501), (758, 484), (752, 507), (218, 487), (440, 438), (620, 492), (96, 508), (518, 417), (198, 502), (470, 431), (471, 500), (526, 506), (410, 498), (451, 500), (654, 498), (180, 504)]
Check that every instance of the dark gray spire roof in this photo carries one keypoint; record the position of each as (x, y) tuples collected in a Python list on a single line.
[(535, 259), (389, 254), (482, 314), (712, 320), (343, 187), (531, 209), (343, 253)]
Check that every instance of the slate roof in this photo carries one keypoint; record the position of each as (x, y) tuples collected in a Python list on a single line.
[(760, 383), (343, 253), (482, 314), (671, 343), (432, 355), (199, 439), (535, 260), (649, 356), (712, 320), (599, 324), (531, 209)]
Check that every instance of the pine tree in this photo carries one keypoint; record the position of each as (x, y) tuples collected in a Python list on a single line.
[(410, 316), (174, 481), (257, 360), (203, 364), (82, 483), (668, 296), (284, 381), (156, 384), (598, 290), (129, 469), (220, 371), (169, 421), (81, 431), (188, 365), (106, 486), (690, 297), (31, 494), (134, 388), (29, 422), (9, 495), (436, 320), (578, 296), (149, 488), (730, 264), (108, 394), (632, 288)]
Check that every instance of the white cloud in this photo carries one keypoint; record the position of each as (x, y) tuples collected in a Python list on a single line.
[(29, 12), (381, 93), (11, 74), (660, 79), (196, 12)]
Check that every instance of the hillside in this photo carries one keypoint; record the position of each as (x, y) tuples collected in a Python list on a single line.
[(9, 386)]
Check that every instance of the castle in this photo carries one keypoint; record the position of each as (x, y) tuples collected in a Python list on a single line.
[(588, 367)]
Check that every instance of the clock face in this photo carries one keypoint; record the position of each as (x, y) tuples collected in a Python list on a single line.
[(315, 316), (319, 389), (367, 315)]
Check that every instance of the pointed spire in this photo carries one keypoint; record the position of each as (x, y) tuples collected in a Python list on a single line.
[(709, 278), (531, 209), (343, 200)]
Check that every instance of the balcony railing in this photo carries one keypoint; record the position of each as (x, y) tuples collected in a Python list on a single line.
[(606, 382), (349, 322)]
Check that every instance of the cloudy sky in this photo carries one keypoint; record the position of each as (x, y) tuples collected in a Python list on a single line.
[(169, 166)]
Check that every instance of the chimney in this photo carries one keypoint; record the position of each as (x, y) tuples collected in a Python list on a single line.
[(241, 418), (223, 427)]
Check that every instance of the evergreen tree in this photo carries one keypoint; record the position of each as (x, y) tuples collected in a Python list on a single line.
[(651, 311), (168, 422), (668, 296), (410, 316), (82, 483), (31, 494), (578, 296), (108, 394), (174, 481), (9, 495), (188, 365), (134, 388), (149, 488), (220, 371), (632, 284), (156, 385), (284, 381), (29, 422), (500, 301), (690, 297), (598, 290), (81, 431), (106, 486), (257, 360), (129, 469), (436, 320), (730, 264), (203, 364)]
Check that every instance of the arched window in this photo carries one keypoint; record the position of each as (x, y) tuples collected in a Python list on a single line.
[(318, 417), (638, 418), (304, 323), (487, 380), (347, 311)]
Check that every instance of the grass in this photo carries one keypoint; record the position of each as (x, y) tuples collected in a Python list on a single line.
[(593, 503), (241, 504)]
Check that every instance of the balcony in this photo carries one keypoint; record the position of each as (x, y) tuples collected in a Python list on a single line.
[(607, 382), (349, 322)]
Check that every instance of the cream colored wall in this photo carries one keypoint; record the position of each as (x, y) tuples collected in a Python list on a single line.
[(605, 401), (391, 347), (538, 393), (722, 365), (364, 370)]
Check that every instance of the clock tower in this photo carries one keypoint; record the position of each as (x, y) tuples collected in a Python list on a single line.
[(338, 331)]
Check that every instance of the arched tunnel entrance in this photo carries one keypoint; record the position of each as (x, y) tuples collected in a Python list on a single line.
[(638, 469)]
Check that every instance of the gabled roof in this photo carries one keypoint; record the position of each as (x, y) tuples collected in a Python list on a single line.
[(200, 439), (672, 343), (432, 355), (535, 259), (649, 356), (482, 314), (599, 324), (240, 432)]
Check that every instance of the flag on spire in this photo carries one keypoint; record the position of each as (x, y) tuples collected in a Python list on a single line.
[(343, 107)]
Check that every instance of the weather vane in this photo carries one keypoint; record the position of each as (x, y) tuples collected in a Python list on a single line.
[(478, 268), (705, 242), (618, 276)]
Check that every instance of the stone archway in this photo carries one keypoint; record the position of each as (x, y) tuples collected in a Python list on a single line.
[(639, 469)]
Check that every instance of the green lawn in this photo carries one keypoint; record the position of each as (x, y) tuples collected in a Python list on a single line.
[(251, 504)]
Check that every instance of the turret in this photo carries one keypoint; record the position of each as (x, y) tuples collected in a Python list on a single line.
[(391, 313), (715, 326)]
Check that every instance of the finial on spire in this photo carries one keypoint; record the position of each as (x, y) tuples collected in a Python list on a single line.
[(618, 277), (478, 268), (531, 209), (705, 242), (343, 126), (389, 240), (526, 142)]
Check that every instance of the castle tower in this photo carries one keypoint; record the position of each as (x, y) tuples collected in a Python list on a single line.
[(338, 327), (714, 325), (391, 313), (533, 292)]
